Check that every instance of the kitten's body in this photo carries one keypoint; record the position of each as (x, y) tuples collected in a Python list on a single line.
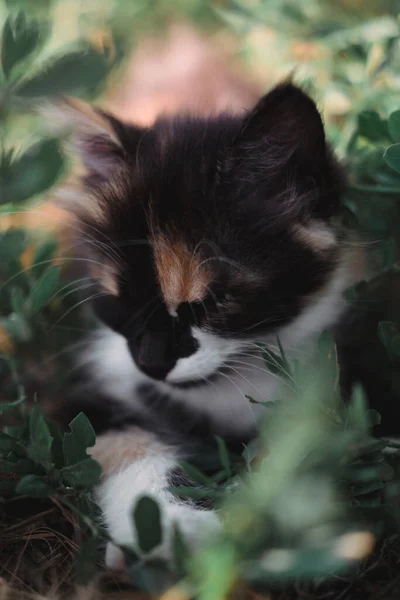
[(204, 237)]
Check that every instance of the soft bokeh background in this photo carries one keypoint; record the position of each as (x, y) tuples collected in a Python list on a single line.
[(207, 56)]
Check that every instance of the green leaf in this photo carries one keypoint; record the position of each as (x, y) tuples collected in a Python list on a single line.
[(251, 451), (34, 486), (12, 244), (273, 362), (39, 449), (57, 447), (392, 157), (29, 6), (44, 252), (17, 327), (17, 299), (183, 491), (32, 173), (80, 437), (19, 39), (74, 73), (147, 519), (394, 126), (224, 455), (357, 413), (43, 290), (371, 126), (195, 474), (85, 473)]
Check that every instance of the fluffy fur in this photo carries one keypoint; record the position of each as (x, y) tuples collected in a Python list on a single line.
[(203, 236)]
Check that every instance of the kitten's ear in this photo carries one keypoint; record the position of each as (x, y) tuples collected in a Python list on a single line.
[(284, 125), (94, 135)]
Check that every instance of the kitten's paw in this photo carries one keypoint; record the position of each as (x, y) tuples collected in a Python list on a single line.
[(196, 526)]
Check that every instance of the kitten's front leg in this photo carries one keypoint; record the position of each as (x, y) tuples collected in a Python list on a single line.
[(136, 463)]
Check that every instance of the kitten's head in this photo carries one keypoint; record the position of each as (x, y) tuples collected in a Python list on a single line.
[(206, 235)]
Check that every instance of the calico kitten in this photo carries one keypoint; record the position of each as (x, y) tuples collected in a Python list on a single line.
[(203, 237)]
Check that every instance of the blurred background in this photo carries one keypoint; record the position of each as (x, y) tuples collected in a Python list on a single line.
[(207, 56)]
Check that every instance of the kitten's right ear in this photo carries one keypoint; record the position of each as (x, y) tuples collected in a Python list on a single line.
[(92, 134)]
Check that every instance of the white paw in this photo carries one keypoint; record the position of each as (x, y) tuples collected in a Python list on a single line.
[(196, 526), (117, 495)]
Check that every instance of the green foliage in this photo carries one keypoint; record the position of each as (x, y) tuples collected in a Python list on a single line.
[(317, 474), (31, 452), (77, 72), (19, 40)]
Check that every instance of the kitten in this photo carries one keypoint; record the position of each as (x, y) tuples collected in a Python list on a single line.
[(204, 237)]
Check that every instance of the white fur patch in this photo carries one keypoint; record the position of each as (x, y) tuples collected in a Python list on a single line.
[(118, 494), (210, 356)]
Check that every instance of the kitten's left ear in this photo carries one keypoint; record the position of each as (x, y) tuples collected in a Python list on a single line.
[(284, 125), (90, 134)]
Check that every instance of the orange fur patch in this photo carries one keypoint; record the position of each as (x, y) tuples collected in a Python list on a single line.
[(181, 274), (115, 450)]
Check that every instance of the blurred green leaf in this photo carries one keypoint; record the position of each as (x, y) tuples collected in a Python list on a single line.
[(371, 126), (32, 173), (147, 517), (394, 126), (12, 244), (28, 5), (34, 486), (43, 253), (276, 364), (43, 290), (57, 447), (19, 39), (78, 72), (224, 455), (80, 437), (183, 491), (195, 474), (357, 413), (39, 449), (17, 299), (392, 156), (17, 327), (85, 473)]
